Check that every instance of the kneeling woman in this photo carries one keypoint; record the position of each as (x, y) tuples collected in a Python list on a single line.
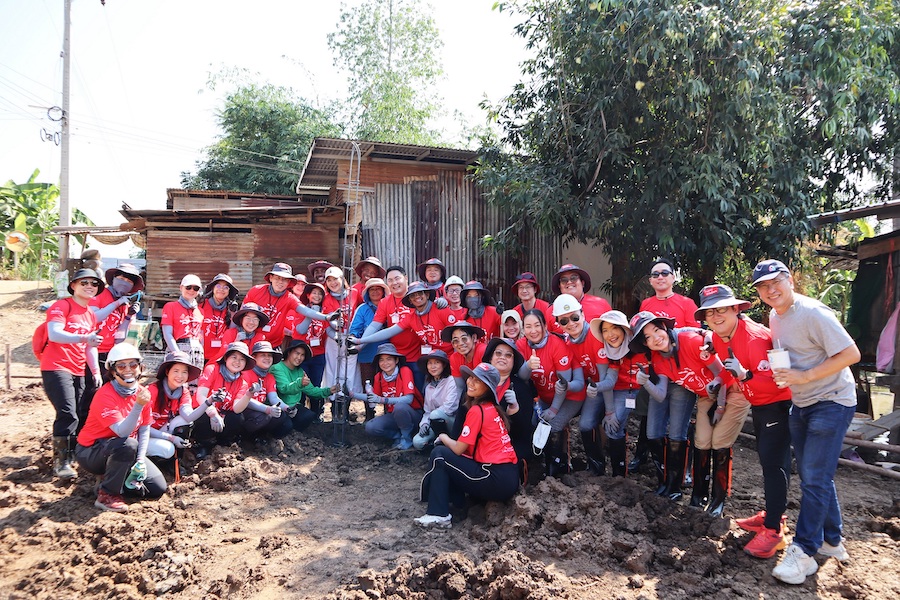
[(481, 463), (171, 405), (113, 442)]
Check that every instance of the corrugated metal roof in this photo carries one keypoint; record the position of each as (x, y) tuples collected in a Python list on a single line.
[(889, 209), (321, 169), (223, 214), (245, 198)]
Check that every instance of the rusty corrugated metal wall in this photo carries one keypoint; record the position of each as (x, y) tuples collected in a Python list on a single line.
[(444, 216)]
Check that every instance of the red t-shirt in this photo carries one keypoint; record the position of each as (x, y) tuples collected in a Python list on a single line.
[(163, 409), (268, 384), (401, 386), (750, 344), (690, 370), (428, 327), (331, 304), (546, 308), (457, 360), (76, 319), (107, 409), (109, 327), (215, 324), (484, 432), (628, 368), (587, 355), (231, 335), (391, 311), (212, 380), (555, 356), (593, 306), (457, 314), (185, 322), (489, 321), (678, 307), (277, 308)]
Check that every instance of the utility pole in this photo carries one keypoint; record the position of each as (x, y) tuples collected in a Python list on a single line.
[(65, 211)]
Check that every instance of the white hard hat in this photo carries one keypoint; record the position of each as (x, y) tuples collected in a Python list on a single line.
[(565, 303), (454, 280), (122, 351)]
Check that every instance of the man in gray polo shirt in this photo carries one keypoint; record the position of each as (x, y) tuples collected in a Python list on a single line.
[(824, 400)]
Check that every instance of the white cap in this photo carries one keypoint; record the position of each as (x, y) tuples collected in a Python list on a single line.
[(334, 272), (191, 280), (511, 314), (565, 303)]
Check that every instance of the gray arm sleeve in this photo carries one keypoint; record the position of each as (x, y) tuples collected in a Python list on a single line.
[(380, 336), (658, 391), (372, 328), (143, 441), (303, 326), (257, 406), (404, 399), (57, 334), (525, 371), (609, 401), (124, 427), (557, 397), (102, 313), (577, 382), (608, 378), (311, 314), (192, 415), (169, 336)]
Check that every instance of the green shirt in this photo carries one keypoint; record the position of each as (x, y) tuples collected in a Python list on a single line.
[(289, 383)]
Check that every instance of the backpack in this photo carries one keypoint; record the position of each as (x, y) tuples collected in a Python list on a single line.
[(39, 340)]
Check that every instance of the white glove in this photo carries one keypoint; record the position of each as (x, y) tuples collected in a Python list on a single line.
[(424, 429), (93, 339), (713, 387), (510, 397), (610, 423), (592, 390), (180, 442), (642, 377), (217, 422), (255, 388), (273, 411), (98, 380), (561, 386), (734, 366), (441, 303), (373, 399)]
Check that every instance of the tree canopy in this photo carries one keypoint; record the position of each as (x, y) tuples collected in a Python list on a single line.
[(705, 132), (267, 131), (390, 50)]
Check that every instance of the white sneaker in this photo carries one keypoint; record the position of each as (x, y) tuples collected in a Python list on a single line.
[(434, 521), (838, 552), (795, 566)]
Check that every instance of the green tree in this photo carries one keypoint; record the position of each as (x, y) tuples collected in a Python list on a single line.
[(267, 133), (705, 132), (33, 208), (390, 50)]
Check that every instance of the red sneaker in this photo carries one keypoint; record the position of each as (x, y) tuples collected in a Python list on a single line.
[(765, 543), (111, 502), (758, 522)]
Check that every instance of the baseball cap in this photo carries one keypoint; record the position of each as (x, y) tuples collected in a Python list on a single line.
[(768, 269)]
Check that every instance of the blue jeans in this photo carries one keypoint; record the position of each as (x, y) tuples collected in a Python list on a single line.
[(817, 432), (672, 414), (622, 413)]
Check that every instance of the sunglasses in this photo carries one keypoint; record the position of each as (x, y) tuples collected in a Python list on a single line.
[(122, 366), (718, 310), (663, 273), (193, 288), (459, 340), (89, 282), (565, 320), (572, 279)]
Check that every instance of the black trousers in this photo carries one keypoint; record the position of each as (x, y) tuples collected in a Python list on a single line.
[(64, 391), (450, 477), (113, 458), (773, 444)]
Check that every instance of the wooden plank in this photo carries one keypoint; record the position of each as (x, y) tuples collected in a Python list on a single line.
[(878, 248), (872, 429)]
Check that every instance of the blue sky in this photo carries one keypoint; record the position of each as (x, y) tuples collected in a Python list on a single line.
[(140, 108)]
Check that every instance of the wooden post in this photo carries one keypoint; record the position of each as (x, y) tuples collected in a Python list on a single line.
[(8, 368)]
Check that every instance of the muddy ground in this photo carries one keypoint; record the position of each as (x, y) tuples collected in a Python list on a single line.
[(299, 518)]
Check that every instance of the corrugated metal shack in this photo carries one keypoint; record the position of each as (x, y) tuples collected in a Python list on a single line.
[(210, 232), (416, 203)]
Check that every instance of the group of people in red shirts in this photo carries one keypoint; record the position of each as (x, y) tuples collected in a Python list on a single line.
[(453, 371)]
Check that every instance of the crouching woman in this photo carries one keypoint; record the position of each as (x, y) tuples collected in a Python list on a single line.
[(113, 442), (481, 463)]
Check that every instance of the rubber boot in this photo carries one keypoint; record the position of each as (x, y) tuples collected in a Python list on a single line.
[(675, 464), (617, 457), (700, 493), (593, 448), (641, 449), (688, 477), (557, 454), (370, 411), (721, 481), (62, 461), (657, 449)]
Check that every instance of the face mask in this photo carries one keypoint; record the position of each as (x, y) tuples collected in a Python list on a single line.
[(122, 287), (473, 302)]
